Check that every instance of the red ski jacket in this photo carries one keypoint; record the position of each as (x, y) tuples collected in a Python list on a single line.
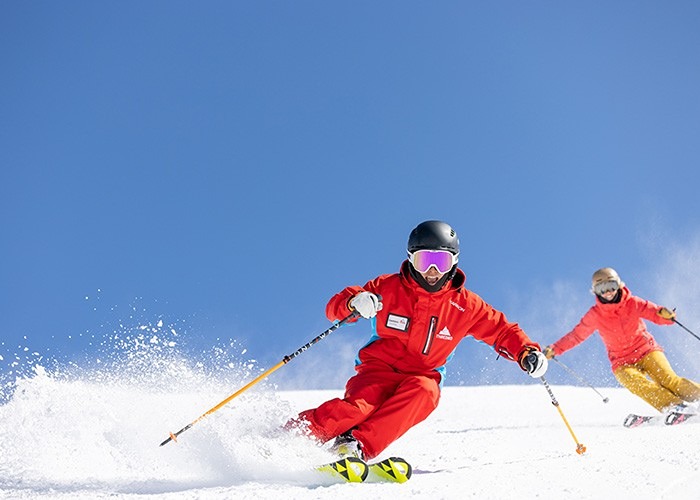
[(417, 331), (621, 328)]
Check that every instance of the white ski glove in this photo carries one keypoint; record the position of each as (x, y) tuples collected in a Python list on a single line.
[(367, 304), (534, 363)]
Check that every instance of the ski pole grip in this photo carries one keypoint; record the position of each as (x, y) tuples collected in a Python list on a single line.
[(531, 359)]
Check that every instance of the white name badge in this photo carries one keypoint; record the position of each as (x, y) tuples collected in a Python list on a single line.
[(397, 322)]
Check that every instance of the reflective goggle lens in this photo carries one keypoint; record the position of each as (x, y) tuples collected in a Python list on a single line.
[(605, 287), (441, 259)]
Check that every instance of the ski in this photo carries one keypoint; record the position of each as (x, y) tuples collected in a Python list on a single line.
[(634, 420), (356, 470), (348, 469), (675, 418), (392, 470), (671, 418)]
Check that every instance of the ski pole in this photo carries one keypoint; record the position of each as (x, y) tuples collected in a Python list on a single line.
[(580, 449), (684, 328), (580, 378), (285, 360)]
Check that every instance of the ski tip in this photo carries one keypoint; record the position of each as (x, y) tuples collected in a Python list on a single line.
[(675, 418), (402, 469), (394, 469), (349, 470), (633, 420)]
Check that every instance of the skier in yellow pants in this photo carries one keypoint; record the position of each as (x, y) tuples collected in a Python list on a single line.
[(637, 361)]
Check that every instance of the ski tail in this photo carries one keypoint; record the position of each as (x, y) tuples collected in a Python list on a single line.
[(394, 469)]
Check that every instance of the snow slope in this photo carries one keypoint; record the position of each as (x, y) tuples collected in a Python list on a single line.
[(96, 434)]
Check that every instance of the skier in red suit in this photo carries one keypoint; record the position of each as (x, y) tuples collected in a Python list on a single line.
[(419, 315)]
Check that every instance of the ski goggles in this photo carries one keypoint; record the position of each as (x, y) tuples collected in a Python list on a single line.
[(422, 260), (605, 287)]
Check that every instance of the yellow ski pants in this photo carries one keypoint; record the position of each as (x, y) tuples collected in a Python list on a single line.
[(652, 379)]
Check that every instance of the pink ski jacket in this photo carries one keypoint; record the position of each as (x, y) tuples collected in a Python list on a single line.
[(620, 327)]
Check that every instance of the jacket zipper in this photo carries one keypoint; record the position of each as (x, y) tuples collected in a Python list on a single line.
[(431, 334)]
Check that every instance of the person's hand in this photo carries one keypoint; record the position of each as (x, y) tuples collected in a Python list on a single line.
[(534, 363), (548, 352), (366, 303), (666, 313)]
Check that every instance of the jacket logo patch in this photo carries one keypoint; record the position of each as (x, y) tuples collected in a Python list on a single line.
[(455, 304), (397, 322), (444, 334)]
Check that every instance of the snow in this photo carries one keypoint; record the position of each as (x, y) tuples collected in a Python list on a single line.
[(96, 434)]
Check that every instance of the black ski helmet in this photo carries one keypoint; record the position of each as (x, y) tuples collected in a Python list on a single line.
[(433, 235)]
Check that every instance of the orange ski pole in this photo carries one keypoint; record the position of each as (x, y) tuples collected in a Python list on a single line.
[(173, 435), (580, 448)]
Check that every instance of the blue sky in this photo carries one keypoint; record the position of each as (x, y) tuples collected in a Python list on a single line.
[(225, 167)]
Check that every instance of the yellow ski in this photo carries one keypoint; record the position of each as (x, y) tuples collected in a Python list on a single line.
[(355, 470), (349, 469), (394, 470)]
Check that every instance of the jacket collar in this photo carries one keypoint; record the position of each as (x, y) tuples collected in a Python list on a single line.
[(625, 294)]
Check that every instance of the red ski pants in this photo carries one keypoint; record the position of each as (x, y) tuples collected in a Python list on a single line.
[(380, 405)]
